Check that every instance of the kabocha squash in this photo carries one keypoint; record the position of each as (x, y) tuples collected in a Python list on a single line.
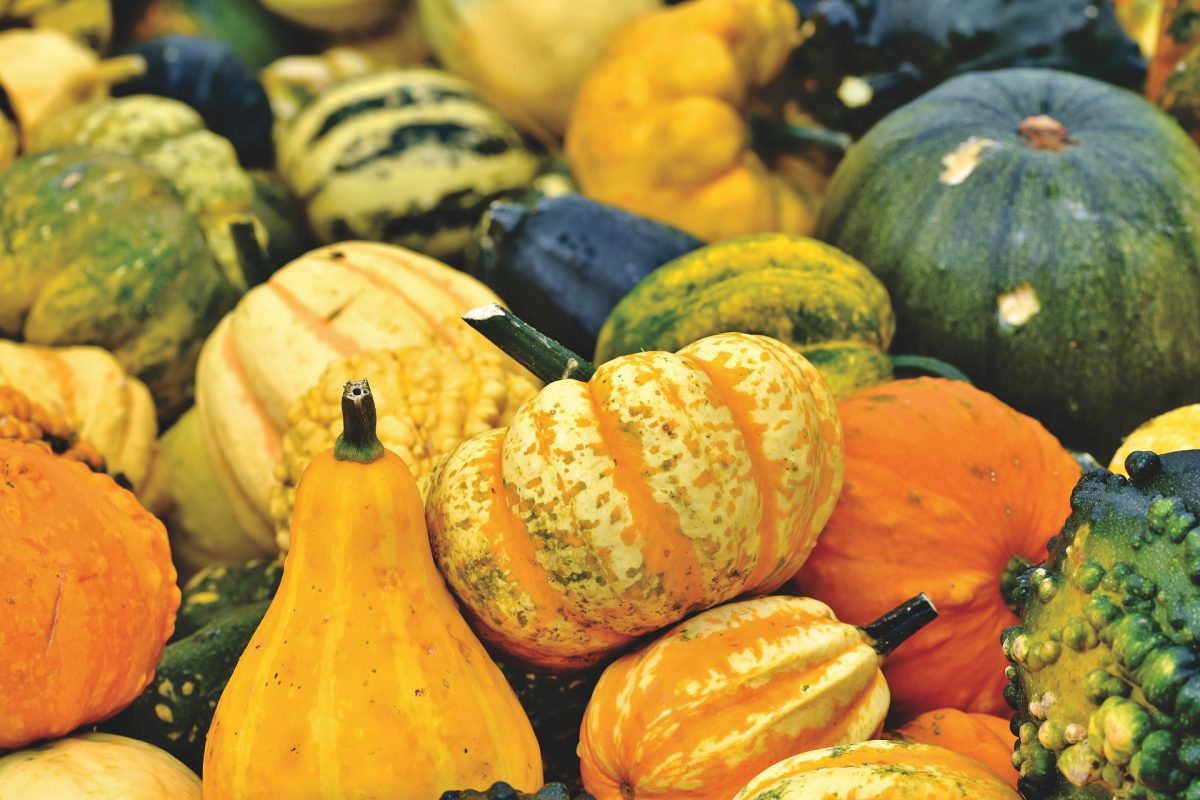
[(983, 737), (146, 289), (611, 508), (800, 291), (878, 770), (89, 591), (950, 492), (1013, 247), (347, 686), (25, 421), (407, 156), (1104, 675), (1178, 429), (735, 689), (96, 766)]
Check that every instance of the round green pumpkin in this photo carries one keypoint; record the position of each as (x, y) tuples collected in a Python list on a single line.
[(1041, 231), (795, 289)]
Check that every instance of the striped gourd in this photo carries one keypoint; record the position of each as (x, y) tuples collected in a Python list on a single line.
[(406, 156)]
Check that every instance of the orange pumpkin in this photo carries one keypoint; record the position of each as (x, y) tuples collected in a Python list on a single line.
[(87, 595), (983, 737), (950, 492)]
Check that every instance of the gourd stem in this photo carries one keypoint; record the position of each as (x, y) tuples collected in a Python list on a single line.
[(545, 358), (1010, 579), (893, 628), (111, 71), (928, 364), (256, 266), (358, 441), (772, 136)]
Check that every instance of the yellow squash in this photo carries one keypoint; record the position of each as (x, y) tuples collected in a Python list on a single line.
[(1178, 429)]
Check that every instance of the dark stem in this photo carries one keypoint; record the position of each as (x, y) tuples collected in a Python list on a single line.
[(252, 258), (893, 628), (1010, 579), (547, 359), (358, 441), (927, 365), (1042, 132), (775, 137)]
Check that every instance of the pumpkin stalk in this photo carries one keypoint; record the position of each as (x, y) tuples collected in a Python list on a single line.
[(1044, 132), (927, 365), (256, 267), (893, 628), (774, 137), (548, 360), (358, 441)]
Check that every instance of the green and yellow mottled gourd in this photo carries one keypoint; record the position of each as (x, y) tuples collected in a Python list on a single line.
[(802, 292)]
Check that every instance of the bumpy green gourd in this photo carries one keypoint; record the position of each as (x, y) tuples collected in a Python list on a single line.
[(1105, 667), (502, 791)]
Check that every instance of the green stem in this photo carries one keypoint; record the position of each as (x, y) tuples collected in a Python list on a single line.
[(927, 365), (893, 628), (252, 258), (358, 441), (774, 137), (547, 359)]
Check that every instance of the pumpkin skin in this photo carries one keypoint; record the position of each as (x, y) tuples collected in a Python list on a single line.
[(1178, 429), (938, 473), (1062, 286), (96, 766), (723, 696), (363, 664), (601, 513), (983, 737), (878, 770), (89, 592)]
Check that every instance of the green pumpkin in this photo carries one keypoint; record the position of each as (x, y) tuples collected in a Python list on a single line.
[(792, 288), (97, 248), (1041, 231)]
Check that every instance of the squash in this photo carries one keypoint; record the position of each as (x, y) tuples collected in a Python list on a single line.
[(395, 43), (1180, 96), (800, 291), (96, 766), (88, 22), (25, 421), (363, 661), (160, 293), (336, 16), (563, 262), (878, 770), (1141, 19), (89, 591), (220, 588), (282, 215), (1178, 429), (1178, 34), (292, 81), (10, 139), (88, 389), (721, 697), (502, 791), (992, 211), (950, 492), (983, 737), (611, 508), (408, 156)]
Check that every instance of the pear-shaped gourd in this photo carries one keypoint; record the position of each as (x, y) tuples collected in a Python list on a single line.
[(363, 679)]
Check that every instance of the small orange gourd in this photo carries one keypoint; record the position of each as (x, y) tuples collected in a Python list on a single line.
[(983, 737), (363, 680)]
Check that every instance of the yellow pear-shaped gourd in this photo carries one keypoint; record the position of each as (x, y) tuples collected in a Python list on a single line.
[(363, 679)]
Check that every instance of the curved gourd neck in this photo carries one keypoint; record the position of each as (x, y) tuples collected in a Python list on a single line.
[(358, 441)]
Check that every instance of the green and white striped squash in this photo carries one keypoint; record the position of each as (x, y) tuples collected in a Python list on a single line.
[(408, 156)]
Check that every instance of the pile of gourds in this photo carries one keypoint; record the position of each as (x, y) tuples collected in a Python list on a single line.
[(646, 399)]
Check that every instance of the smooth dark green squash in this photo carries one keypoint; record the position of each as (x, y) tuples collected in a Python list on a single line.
[(218, 588), (1041, 231)]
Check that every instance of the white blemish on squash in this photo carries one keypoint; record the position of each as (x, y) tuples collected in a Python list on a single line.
[(959, 163), (1018, 306)]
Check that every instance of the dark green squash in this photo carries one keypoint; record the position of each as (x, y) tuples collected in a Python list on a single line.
[(218, 588), (1041, 231)]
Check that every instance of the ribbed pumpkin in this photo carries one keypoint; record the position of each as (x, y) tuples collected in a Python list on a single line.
[(996, 211), (406, 156), (950, 492), (723, 696), (798, 290), (983, 737), (88, 593), (878, 770), (665, 484), (363, 679), (1178, 429), (22, 420), (96, 766)]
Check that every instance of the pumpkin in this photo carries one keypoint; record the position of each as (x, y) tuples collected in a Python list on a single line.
[(87, 388), (721, 697), (25, 421), (878, 770), (363, 661), (88, 590), (992, 211), (96, 766), (798, 290), (950, 492), (983, 737), (611, 508), (147, 289), (409, 156), (1178, 429)]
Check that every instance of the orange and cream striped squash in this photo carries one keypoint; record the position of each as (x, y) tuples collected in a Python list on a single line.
[(983, 737), (666, 484), (878, 770), (725, 695)]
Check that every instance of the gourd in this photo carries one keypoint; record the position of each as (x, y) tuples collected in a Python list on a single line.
[(89, 591), (983, 737), (800, 291), (1104, 667), (88, 22), (24, 421), (1068, 305), (502, 791), (614, 506), (335, 16), (363, 657), (950, 492), (291, 81), (1178, 429), (220, 588), (721, 697), (97, 766), (878, 770), (282, 215)]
